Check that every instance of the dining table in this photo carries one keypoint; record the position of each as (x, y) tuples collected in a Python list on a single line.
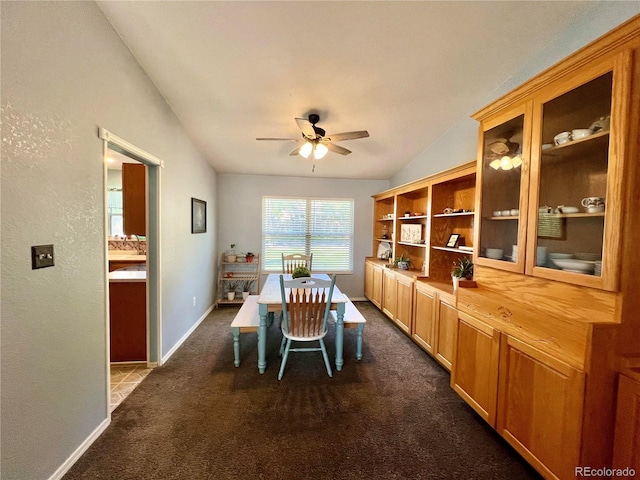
[(270, 301)]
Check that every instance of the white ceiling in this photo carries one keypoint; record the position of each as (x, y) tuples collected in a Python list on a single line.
[(405, 71)]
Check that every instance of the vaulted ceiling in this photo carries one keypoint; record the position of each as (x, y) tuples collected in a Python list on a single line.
[(405, 71)]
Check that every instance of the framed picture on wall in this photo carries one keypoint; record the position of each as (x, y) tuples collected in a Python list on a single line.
[(198, 216)]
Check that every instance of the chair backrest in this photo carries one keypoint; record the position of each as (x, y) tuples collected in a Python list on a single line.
[(291, 262), (306, 305)]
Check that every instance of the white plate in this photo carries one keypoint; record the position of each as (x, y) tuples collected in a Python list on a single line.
[(574, 265), (569, 209)]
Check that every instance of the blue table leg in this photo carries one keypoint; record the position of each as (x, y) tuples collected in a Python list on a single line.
[(339, 336), (236, 346), (359, 341), (262, 337)]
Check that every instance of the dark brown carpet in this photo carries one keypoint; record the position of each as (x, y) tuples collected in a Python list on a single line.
[(390, 416)]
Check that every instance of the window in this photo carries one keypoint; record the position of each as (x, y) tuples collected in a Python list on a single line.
[(114, 210), (322, 226)]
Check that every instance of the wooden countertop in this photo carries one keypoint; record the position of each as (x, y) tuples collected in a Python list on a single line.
[(126, 256), (121, 276)]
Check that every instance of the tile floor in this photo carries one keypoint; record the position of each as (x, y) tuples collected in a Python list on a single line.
[(124, 379)]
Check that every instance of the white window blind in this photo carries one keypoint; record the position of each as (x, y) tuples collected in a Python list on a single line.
[(322, 226)]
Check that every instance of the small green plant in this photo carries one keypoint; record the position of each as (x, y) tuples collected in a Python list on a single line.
[(232, 286), (301, 272), (463, 268), (403, 262), (245, 285)]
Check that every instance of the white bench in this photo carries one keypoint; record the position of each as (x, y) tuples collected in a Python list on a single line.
[(246, 320), (352, 319)]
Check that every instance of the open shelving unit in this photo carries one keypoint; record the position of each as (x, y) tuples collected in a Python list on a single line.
[(237, 272), (422, 206)]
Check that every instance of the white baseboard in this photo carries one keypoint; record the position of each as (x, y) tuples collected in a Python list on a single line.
[(64, 468), (186, 335)]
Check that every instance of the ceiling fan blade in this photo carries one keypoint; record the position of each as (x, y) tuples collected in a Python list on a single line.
[(296, 151), (283, 139), (306, 128), (337, 148), (338, 137)]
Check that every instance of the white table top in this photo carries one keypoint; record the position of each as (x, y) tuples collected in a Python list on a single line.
[(270, 293)]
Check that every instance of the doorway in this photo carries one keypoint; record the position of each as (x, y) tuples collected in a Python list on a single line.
[(149, 244)]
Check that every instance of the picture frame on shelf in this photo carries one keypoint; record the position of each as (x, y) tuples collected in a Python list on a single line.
[(453, 241), (198, 216), (411, 233)]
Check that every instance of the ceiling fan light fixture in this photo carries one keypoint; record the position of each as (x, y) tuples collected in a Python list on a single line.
[(495, 164), (516, 161), (320, 151), (305, 150), (505, 163)]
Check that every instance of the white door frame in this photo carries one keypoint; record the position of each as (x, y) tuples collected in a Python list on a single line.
[(154, 286)]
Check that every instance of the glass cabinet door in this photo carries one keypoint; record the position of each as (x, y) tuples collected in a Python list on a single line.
[(572, 182), (503, 179)]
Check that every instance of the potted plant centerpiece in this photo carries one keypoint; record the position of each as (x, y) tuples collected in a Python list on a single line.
[(301, 272), (462, 273)]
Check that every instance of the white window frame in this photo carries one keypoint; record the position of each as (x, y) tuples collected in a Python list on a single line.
[(271, 260)]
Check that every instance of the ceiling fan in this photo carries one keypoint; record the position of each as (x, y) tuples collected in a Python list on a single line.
[(315, 140)]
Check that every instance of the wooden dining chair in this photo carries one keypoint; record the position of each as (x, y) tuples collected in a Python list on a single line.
[(306, 303), (291, 262)]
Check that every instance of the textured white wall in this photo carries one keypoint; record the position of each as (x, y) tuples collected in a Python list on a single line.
[(240, 214), (459, 144), (64, 73)]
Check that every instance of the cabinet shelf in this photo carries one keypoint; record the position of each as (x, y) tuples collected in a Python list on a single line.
[(460, 214), (423, 245), (453, 250), (417, 217), (385, 219), (240, 277), (557, 149), (556, 215)]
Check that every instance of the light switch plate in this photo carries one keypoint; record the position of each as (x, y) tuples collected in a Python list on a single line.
[(41, 256)]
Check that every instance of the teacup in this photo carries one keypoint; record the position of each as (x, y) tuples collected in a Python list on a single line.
[(561, 138), (592, 202)]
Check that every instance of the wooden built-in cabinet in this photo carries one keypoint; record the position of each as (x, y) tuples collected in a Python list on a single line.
[(446, 327), (557, 283), (475, 373), (373, 283), (418, 219), (389, 294), (540, 402), (134, 198), (404, 302), (397, 292), (435, 320), (533, 216), (537, 348), (424, 316)]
